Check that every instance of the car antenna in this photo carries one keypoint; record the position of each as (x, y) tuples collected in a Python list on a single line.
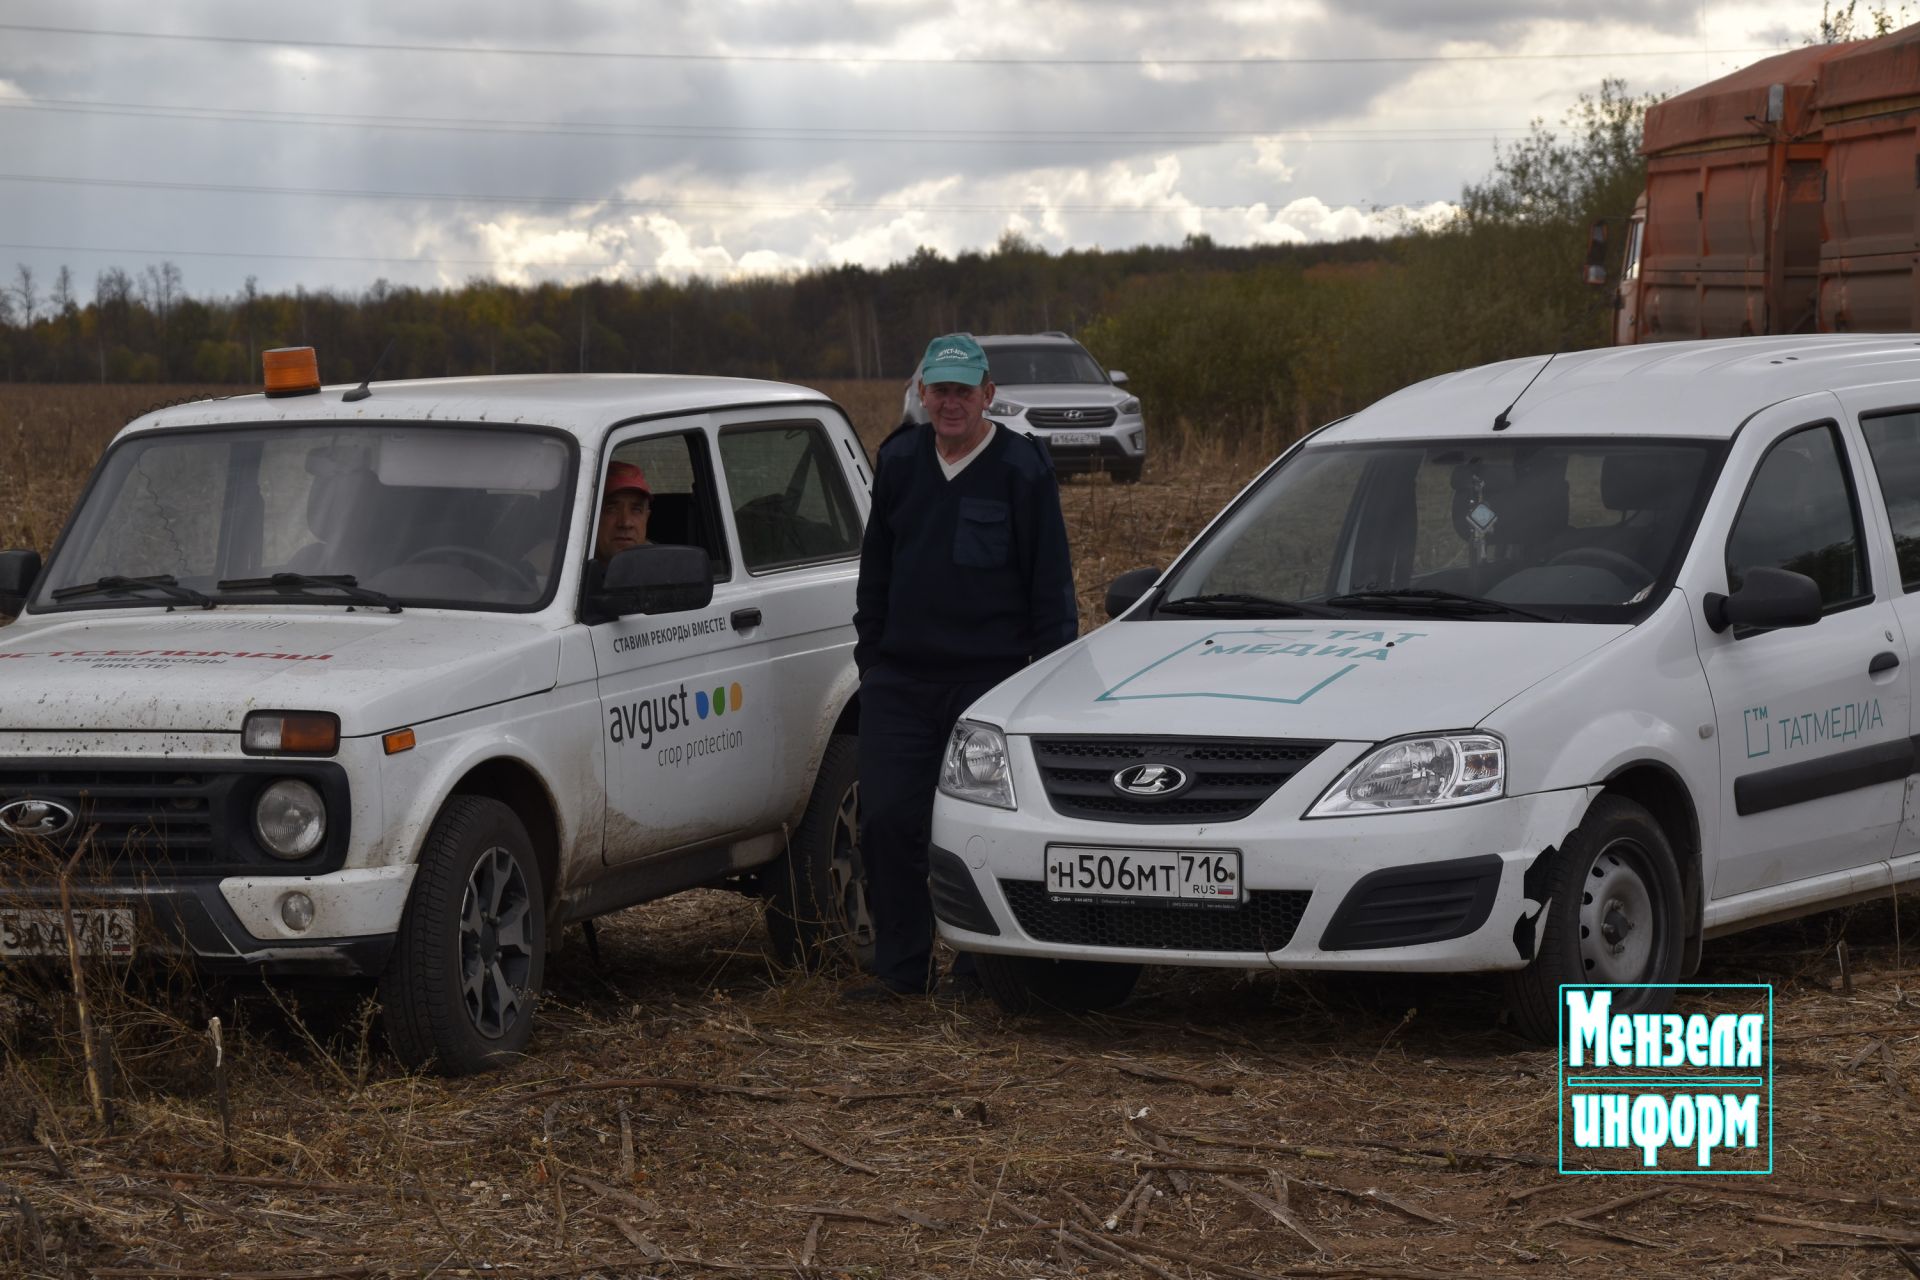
[(1500, 421), (361, 392)]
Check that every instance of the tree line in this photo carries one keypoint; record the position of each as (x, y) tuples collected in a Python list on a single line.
[(1208, 332)]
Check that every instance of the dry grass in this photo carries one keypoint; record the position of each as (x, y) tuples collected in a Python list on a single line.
[(689, 1110)]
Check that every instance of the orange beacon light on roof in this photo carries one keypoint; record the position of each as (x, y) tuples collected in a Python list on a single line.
[(291, 371)]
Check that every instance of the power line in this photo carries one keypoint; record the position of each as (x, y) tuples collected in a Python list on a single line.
[(314, 257), (609, 202), (522, 51), (758, 133)]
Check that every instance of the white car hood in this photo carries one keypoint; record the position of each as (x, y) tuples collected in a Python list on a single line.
[(202, 672), (1049, 395), (1357, 680)]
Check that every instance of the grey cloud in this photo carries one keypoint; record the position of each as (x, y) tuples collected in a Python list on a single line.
[(839, 169)]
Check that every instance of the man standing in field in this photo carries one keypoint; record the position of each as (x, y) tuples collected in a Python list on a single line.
[(964, 579)]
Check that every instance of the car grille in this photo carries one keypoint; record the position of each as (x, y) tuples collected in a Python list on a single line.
[(1264, 922), (194, 819), (1231, 777), (1072, 419)]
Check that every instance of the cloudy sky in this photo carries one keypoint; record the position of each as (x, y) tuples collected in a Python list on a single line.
[(334, 144)]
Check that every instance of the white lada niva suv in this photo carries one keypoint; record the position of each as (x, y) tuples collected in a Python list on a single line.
[(333, 683), (1558, 668)]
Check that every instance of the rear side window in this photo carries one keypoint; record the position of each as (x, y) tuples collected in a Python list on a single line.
[(790, 500), (1894, 441), (1800, 514)]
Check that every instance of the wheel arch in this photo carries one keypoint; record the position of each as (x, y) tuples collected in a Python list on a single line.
[(518, 787), (1659, 790), (849, 720)]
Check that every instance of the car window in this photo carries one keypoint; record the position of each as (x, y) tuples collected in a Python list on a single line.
[(1587, 528), (683, 511), (1018, 366), (1893, 439), (1800, 514), (790, 500), (430, 514)]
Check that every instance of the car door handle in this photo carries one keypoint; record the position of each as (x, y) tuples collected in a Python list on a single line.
[(747, 619), (1883, 662)]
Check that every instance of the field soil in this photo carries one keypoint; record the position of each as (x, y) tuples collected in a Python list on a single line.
[(690, 1109)]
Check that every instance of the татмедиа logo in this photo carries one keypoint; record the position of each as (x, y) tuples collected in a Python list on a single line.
[(1667, 1093)]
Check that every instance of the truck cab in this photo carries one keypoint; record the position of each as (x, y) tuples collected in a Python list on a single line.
[(346, 685)]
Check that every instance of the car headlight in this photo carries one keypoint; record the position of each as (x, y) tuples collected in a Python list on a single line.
[(1005, 409), (290, 733), (1130, 406), (290, 819), (1419, 773), (976, 767)]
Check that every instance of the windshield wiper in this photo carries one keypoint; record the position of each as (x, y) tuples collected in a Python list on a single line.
[(301, 584), (1241, 604), (1435, 600), (116, 585)]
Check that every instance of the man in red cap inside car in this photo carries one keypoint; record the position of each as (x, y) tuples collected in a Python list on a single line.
[(623, 511)]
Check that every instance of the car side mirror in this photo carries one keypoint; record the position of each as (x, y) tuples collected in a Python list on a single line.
[(650, 579), (1767, 598), (1125, 591), (1594, 271), (18, 571), (1116, 377)]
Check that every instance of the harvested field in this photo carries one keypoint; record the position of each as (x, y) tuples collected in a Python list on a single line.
[(688, 1110)]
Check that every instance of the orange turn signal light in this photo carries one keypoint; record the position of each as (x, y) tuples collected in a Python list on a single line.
[(397, 741), (291, 371)]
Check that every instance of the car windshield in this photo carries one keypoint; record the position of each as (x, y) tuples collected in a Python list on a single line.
[(1553, 530), (445, 517), (1016, 366)]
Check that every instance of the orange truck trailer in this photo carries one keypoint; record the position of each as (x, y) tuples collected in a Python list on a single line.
[(1784, 198)]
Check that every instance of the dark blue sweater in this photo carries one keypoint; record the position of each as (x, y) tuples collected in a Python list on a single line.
[(966, 578)]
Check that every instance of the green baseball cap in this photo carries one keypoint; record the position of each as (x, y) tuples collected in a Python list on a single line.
[(954, 357)]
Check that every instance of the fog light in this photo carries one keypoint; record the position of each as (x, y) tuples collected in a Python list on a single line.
[(290, 819), (296, 912)]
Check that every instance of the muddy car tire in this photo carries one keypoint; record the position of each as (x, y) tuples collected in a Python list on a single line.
[(1023, 984), (460, 989), (1615, 913), (817, 912)]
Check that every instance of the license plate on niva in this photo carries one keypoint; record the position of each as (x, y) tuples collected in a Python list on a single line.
[(42, 931)]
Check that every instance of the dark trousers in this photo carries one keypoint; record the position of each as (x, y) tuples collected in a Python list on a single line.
[(904, 726)]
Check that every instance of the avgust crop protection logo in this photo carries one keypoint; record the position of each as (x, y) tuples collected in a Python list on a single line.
[(658, 722)]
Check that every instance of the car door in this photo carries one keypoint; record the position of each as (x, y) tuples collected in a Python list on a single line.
[(684, 697), (1812, 721), (1892, 436), (797, 515)]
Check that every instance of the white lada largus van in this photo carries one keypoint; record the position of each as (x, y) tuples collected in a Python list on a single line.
[(327, 684), (1554, 667)]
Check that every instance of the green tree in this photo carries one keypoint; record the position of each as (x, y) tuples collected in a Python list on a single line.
[(1588, 167)]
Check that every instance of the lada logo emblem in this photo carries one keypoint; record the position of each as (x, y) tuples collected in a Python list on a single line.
[(1150, 780), (40, 819)]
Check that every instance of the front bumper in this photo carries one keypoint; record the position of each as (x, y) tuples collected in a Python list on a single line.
[(1445, 890), (233, 925), (1121, 446)]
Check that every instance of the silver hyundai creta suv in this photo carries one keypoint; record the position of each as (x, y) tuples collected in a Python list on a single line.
[(1050, 387)]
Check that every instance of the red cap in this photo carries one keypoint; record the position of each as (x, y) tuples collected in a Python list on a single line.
[(624, 475)]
